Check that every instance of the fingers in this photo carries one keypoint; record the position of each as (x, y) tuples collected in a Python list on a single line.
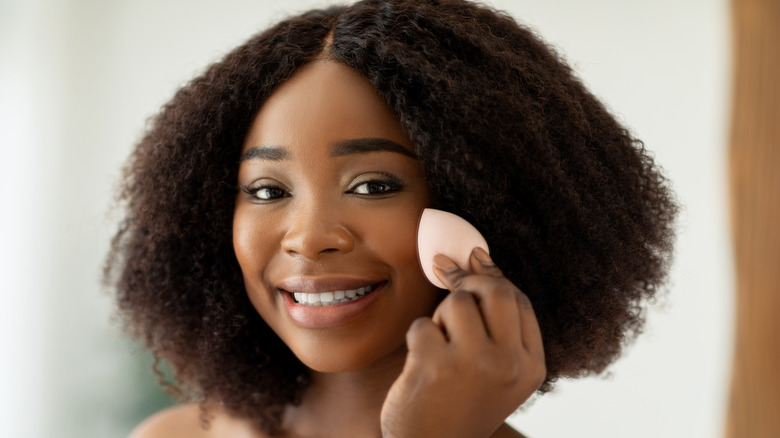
[(448, 272), (529, 326), (505, 312), (481, 263), (532, 334), (461, 320), (424, 336)]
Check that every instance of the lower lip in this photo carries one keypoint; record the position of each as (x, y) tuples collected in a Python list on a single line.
[(329, 316)]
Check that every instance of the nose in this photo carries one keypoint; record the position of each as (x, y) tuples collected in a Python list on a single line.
[(315, 231)]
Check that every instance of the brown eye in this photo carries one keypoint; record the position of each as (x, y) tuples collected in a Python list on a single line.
[(269, 193), (266, 193), (376, 187)]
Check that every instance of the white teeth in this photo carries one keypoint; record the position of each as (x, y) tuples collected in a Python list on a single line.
[(331, 298)]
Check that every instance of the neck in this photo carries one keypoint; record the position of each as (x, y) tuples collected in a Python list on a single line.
[(345, 403)]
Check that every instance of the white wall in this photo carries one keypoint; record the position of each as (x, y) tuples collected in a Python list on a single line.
[(78, 79)]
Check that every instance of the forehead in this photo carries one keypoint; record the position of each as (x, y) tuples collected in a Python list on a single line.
[(322, 103)]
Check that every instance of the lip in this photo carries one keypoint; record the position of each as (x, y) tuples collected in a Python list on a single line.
[(328, 316)]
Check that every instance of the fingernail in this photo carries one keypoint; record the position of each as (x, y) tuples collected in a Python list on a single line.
[(443, 263), (482, 255)]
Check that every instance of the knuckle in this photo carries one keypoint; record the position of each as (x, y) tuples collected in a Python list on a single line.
[(475, 283), (454, 301), (460, 297), (417, 331), (459, 280), (492, 269), (535, 372), (503, 293), (445, 307), (541, 376), (418, 325), (494, 289), (518, 370), (524, 301)]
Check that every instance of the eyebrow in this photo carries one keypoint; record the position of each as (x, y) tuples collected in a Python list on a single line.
[(364, 145), (271, 153), (339, 149)]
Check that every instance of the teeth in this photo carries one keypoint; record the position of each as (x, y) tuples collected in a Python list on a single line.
[(331, 298)]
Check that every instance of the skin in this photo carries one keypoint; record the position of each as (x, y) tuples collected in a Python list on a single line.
[(322, 208), (325, 225)]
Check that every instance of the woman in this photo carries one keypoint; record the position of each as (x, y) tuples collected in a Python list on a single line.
[(269, 255)]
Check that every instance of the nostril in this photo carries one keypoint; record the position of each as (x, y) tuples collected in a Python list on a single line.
[(318, 241)]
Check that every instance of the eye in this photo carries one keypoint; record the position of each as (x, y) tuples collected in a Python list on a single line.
[(376, 187), (265, 193)]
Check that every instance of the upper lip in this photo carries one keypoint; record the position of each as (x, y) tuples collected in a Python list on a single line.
[(323, 284)]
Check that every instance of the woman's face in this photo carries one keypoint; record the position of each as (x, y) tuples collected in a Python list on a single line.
[(325, 222)]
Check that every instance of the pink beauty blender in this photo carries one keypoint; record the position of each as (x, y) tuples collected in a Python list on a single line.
[(447, 234)]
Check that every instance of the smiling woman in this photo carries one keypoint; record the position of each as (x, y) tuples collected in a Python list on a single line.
[(269, 250), (334, 211)]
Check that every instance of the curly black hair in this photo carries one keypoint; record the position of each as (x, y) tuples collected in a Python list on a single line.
[(573, 207)]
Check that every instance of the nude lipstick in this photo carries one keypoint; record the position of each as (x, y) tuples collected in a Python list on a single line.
[(328, 301)]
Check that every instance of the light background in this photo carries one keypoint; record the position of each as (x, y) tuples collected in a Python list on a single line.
[(78, 79)]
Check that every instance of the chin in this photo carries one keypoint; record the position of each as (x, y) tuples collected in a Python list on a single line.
[(326, 357)]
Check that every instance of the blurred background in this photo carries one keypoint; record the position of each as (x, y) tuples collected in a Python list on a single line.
[(80, 78)]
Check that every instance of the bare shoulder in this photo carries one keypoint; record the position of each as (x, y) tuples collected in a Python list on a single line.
[(506, 431), (184, 422), (178, 421)]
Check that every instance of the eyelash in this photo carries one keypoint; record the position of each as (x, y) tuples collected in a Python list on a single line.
[(253, 191), (391, 185)]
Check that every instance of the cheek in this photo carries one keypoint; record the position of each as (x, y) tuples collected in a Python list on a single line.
[(253, 247), (394, 236), (256, 244), (243, 236), (251, 243)]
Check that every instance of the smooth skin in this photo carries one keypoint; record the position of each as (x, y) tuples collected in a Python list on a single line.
[(417, 361)]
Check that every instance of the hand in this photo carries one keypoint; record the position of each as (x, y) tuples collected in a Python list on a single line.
[(471, 365)]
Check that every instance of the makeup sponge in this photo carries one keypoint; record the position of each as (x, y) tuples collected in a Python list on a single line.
[(447, 234)]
